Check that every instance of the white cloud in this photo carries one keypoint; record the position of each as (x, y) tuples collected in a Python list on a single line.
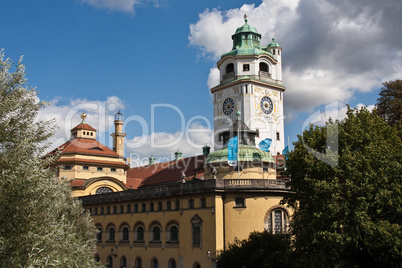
[(330, 50), (100, 115), (213, 77), (163, 145)]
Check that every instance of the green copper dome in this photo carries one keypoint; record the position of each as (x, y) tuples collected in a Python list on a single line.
[(273, 43), (246, 41), (246, 28)]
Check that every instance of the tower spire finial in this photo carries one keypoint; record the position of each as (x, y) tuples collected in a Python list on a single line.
[(83, 116), (245, 17)]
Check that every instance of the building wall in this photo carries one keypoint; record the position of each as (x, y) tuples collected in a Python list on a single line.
[(222, 222), (182, 252)]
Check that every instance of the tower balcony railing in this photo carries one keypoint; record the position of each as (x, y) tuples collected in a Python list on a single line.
[(263, 76)]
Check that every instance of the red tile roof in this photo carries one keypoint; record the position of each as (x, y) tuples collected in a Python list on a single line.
[(166, 172), (85, 146), (83, 126)]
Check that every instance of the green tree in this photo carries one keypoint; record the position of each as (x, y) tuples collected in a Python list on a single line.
[(348, 213), (261, 249), (389, 105), (41, 225)]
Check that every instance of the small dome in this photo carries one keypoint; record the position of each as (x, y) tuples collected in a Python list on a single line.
[(246, 28), (273, 43)]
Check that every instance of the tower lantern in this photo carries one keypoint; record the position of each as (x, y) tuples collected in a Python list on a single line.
[(118, 135)]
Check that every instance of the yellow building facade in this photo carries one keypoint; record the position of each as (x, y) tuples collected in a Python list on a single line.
[(181, 213)]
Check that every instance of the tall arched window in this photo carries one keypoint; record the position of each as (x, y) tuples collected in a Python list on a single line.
[(123, 262), (109, 262), (173, 234), (99, 234), (154, 263), (196, 232), (112, 233), (140, 233), (264, 67), (172, 264), (156, 234), (277, 221), (125, 234), (229, 68), (138, 262)]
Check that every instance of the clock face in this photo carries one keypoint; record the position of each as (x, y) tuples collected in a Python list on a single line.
[(228, 106), (266, 105)]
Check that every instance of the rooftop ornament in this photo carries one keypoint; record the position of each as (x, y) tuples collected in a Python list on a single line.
[(83, 116)]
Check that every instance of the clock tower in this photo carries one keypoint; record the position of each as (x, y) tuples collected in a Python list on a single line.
[(250, 82)]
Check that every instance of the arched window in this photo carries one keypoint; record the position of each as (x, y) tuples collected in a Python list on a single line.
[(103, 190), (154, 263), (156, 234), (173, 234), (123, 262), (172, 264), (138, 262), (99, 234), (264, 67), (125, 234), (277, 221), (196, 265), (109, 262), (140, 233), (229, 68), (112, 234), (196, 231)]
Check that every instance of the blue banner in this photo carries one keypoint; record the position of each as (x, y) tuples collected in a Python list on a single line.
[(285, 151), (232, 151), (265, 144)]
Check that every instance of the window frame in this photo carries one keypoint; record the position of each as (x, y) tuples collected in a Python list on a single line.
[(111, 235), (125, 235), (196, 231), (191, 203), (173, 234), (140, 234), (99, 234), (240, 202), (156, 233), (203, 202)]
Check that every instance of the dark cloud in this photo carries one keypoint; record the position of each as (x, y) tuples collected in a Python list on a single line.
[(352, 36)]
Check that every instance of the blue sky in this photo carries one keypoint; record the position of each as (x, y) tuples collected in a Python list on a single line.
[(98, 56)]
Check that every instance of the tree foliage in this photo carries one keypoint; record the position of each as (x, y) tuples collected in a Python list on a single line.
[(261, 249), (349, 212), (40, 224), (389, 104)]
